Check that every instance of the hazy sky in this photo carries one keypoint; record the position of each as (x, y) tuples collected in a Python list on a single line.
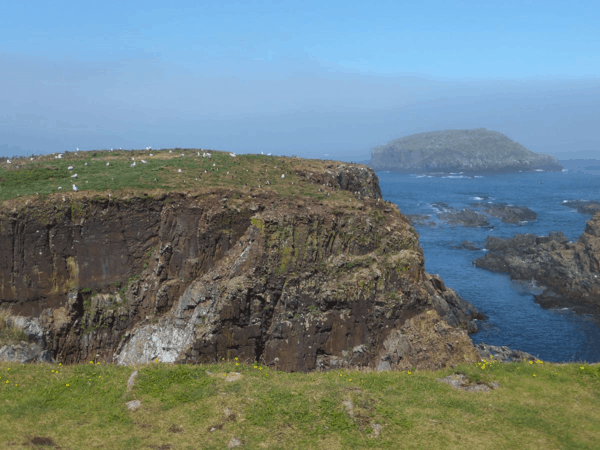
[(307, 78)]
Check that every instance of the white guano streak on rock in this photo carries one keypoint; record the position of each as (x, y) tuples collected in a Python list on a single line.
[(163, 342)]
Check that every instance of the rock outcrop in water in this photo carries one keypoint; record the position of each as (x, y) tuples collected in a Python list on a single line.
[(468, 151), (570, 271), (296, 283)]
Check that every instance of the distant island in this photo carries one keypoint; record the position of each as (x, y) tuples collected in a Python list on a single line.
[(471, 151)]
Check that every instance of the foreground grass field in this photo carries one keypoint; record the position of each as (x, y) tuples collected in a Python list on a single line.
[(198, 407)]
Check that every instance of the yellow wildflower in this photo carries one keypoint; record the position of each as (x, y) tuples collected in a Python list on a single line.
[(530, 362), (67, 384), (534, 374)]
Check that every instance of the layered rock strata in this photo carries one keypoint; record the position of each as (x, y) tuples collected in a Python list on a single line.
[(296, 283)]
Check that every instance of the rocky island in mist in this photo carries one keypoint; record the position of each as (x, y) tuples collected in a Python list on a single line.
[(471, 151)]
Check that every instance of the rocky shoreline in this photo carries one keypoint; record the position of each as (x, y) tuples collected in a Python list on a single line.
[(568, 272)]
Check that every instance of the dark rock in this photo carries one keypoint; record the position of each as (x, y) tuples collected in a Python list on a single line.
[(502, 353), (508, 213), (590, 207), (569, 272), (466, 245), (465, 217)]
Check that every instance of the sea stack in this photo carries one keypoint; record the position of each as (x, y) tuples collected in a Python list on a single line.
[(470, 151)]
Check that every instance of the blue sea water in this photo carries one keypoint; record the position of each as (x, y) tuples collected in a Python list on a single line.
[(514, 319)]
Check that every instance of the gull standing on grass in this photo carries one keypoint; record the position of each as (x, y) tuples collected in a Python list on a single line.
[(75, 188)]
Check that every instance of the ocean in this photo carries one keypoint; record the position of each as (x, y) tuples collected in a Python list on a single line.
[(514, 319)]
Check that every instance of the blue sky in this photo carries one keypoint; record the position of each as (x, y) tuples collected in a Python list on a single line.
[(304, 78)]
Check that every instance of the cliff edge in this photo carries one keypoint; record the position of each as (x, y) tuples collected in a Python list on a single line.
[(298, 282)]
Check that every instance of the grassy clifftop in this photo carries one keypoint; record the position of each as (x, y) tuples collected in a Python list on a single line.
[(144, 171)]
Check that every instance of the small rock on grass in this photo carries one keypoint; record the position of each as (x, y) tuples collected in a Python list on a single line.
[(376, 430), (233, 376), (234, 442), (133, 405)]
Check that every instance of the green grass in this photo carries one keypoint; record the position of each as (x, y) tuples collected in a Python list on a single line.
[(46, 175), (83, 406)]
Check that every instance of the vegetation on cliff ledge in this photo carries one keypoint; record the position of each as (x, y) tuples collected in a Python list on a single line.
[(210, 406)]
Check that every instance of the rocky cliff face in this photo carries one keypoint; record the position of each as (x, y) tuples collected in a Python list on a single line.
[(475, 151), (568, 271), (294, 282)]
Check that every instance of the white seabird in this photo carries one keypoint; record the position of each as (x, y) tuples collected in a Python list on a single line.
[(8, 161), (70, 168), (232, 155), (144, 162), (283, 175), (74, 176), (132, 165), (108, 164), (179, 170), (75, 188)]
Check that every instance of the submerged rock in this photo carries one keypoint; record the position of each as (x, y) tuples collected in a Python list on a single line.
[(466, 245)]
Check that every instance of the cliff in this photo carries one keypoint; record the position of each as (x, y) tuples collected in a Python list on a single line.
[(297, 282), (470, 151)]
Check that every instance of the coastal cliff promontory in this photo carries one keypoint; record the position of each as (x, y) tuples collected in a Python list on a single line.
[(470, 151), (298, 264)]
